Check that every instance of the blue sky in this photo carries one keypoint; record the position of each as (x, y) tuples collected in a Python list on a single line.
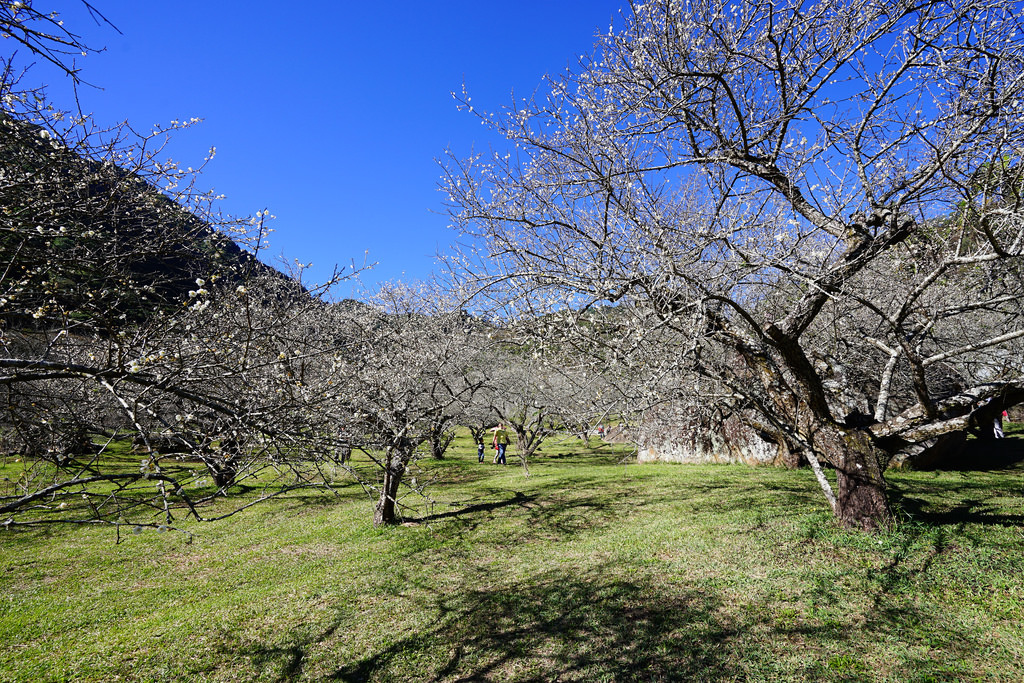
[(329, 114)]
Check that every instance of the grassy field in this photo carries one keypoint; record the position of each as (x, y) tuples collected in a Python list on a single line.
[(588, 570)]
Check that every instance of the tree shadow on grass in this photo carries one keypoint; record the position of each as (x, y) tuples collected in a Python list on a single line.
[(984, 455), (599, 623), (960, 513), (560, 625), (518, 500), (971, 496), (556, 511), (533, 517), (604, 454), (993, 454)]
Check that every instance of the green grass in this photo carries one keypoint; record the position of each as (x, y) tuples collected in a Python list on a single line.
[(588, 570)]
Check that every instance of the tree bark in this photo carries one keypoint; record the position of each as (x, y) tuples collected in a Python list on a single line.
[(384, 512), (223, 466), (439, 442), (861, 501)]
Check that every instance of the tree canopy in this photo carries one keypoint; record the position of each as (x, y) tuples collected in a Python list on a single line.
[(812, 208)]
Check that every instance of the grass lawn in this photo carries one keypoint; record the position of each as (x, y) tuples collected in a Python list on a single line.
[(588, 570)]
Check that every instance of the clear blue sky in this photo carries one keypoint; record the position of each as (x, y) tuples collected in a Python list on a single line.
[(331, 114)]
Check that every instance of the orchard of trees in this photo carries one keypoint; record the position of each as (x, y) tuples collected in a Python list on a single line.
[(805, 216)]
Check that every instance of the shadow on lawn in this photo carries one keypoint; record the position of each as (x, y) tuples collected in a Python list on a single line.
[(990, 454), (972, 495), (546, 514), (561, 625), (518, 500), (981, 455), (602, 623), (962, 511)]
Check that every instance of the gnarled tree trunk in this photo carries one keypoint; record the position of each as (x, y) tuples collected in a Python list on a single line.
[(861, 502)]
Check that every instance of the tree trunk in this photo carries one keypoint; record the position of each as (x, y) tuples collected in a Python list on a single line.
[(223, 471), (384, 512), (861, 502), (479, 433), (223, 466), (526, 445), (439, 442)]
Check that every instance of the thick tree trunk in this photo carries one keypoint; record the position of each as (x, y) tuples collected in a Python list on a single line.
[(384, 512), (861, 502)]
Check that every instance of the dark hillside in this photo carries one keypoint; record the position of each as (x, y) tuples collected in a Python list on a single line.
[(94, 244)]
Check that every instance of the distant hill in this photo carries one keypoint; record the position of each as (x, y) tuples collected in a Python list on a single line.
[(96, 243)]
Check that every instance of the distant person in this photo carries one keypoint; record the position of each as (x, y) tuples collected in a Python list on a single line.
[(997, 425), (600, 431), (480, 451), (500, 444)]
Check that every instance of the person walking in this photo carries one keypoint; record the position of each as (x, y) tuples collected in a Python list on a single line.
[(480, 451), (997, 425), (500, 443)]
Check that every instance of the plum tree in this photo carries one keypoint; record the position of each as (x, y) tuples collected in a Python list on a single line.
[(783, 197)]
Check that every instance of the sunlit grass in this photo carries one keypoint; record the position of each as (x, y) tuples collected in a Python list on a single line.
[(590, 569)]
